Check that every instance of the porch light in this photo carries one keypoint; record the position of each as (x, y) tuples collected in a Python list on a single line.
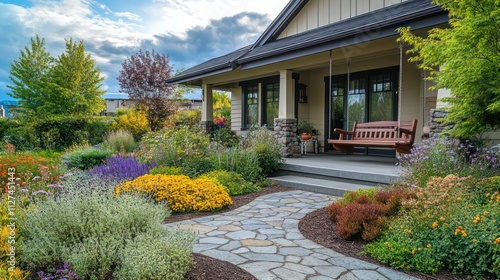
[(302, 90)]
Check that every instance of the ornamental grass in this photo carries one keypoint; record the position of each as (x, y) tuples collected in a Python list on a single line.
[(181, 193)]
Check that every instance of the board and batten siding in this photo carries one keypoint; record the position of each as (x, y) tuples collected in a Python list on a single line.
[(319, 13)]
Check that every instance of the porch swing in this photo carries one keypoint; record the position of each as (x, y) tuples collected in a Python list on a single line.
[(398, 135)]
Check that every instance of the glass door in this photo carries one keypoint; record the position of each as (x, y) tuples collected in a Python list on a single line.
[(370, 96)]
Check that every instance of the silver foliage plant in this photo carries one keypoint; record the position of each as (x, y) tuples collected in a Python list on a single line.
[(103, 236)]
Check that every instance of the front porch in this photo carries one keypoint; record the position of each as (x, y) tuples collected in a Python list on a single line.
[(335, 173)]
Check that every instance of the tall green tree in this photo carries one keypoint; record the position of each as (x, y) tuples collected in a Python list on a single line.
[(465, 58), (29, 76), (76, 82), (67, 85)]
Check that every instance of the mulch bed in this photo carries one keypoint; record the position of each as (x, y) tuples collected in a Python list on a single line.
[(314, 226)]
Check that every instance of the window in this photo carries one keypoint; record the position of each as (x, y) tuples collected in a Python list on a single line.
[(251, 105), (271, 106)]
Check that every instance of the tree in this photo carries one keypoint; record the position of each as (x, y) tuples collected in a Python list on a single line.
[(29, 76), (68, 85), (76, 82), (222, 104), (464, 58), (143, 77)]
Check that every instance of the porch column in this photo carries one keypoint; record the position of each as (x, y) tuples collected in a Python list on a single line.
[(285, 126), (287, 94), (207, 108)]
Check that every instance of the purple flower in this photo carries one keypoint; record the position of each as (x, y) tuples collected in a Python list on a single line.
[(40, 192)]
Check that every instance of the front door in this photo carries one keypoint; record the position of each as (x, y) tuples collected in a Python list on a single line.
[(362, 97)]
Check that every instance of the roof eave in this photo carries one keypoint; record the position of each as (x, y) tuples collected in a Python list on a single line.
[(301, 50), (199, 75)]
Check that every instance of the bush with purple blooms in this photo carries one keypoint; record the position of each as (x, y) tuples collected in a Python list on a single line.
[(63, 273), (122, 167), (441, 158)]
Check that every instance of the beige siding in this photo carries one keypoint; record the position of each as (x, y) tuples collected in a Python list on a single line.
[(317, 13), (236, 109)]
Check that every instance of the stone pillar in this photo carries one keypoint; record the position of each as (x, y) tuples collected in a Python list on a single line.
[(285, 132), (207, 108), (438, 125), (2, 112)]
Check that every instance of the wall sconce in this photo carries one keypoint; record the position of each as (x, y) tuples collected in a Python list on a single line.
[(302, 89)]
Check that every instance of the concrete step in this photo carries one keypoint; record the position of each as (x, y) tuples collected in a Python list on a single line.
[(362, 174), (325, 185)]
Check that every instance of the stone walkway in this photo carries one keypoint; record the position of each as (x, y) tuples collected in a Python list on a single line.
[(263, 238)]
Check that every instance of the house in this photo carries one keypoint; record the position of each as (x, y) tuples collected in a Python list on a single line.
[(331, 62)]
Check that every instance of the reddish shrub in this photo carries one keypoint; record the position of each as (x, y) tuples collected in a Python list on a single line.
[(363, 200), (333, 210), (355, 218), (391, 199)]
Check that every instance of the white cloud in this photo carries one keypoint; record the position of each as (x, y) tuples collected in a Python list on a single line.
[(189, 30)]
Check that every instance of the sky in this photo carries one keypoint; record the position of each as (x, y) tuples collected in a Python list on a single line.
[(188, 31)]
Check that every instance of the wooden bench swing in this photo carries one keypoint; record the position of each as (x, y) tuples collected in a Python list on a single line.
[(382, 134), (398, 135)]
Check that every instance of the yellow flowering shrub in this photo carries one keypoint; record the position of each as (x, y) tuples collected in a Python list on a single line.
[(182, 193), (132, 120)]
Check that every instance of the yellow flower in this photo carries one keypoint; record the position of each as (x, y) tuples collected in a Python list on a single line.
[(497, 241), (441, 219), (435, 225), (428, 245), (459, 198), (474, 240), (413, 252)]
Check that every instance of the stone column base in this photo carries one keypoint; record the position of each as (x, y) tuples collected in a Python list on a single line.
[(206, 126), (285, 132)]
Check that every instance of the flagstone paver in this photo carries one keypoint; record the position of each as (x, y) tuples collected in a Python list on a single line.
[(263, 238)]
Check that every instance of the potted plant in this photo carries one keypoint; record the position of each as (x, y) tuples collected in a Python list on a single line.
[(305, 129)]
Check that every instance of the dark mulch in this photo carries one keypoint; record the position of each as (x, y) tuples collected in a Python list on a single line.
[(315, 226)]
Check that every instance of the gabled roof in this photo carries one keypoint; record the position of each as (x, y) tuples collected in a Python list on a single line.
[(268, 49), (213, 66)]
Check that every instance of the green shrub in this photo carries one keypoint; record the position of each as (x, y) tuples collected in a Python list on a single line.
[(443, 226), (231, 181), (87, 158), (239, 160), (174, 146), (22, 137), (157, 257), (60, 132), (92, 229), (195, 166), (268, 150), (166, 170), (120, 141)]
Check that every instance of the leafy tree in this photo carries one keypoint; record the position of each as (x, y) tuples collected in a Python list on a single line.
[(68, 85), (143, 77), (29, 76), (222, 104), (76, 83), (466, 59)]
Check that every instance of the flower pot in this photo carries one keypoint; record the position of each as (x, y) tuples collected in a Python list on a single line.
[(306, 136)]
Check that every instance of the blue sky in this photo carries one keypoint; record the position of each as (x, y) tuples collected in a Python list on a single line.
[(189, 31)]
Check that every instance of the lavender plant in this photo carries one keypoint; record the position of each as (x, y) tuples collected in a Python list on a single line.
[(441, 158), (122, 167)]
